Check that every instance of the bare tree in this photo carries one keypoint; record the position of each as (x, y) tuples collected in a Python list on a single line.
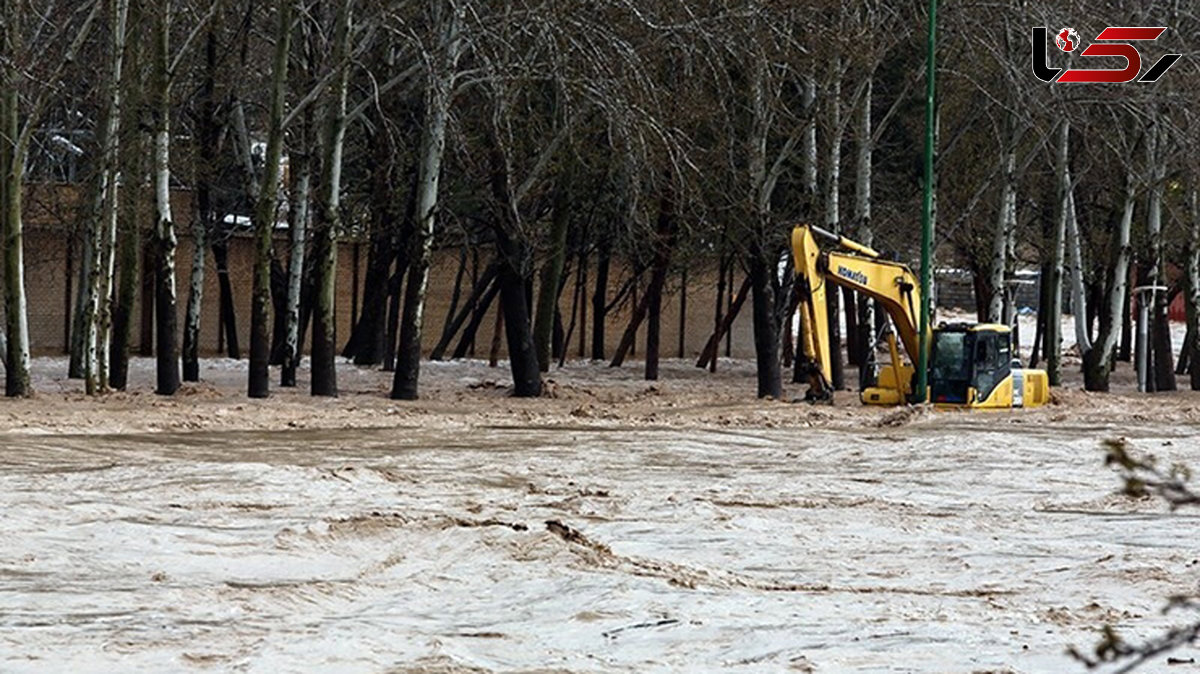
[(441, 63), (259, 384)]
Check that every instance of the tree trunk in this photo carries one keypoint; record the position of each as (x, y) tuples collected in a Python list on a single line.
[(79, 314), (652, 300), (1097, 361), (325, 246), (1052, 334), (865, 337), (1160, 327), (551, 275), (599, 298), (477, 314), (1193, 287), (438, 92), (129, 271), (367, 338), (208, 133), (514, 259), (102, 227), (832, 218), (395, 287), (298, 234), (227, 312), (471, 308), (1079, 306), (12, 165), (1006, 221), (766, 329), (259, 381), (852, 327), (709, 354), (166, 344), (129, 240)]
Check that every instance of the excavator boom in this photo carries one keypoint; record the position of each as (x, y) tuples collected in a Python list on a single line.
[(861, 269)]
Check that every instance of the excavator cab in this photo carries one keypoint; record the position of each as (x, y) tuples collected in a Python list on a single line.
[(969, 363)]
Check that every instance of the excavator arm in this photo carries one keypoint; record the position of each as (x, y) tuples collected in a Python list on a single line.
[(859, 268)]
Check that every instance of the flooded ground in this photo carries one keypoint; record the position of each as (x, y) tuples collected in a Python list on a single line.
[(952, 543)]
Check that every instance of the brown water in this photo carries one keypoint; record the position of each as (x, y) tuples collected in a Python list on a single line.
[(964, 547)]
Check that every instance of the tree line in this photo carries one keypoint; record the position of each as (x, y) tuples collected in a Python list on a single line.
[(562, 139)]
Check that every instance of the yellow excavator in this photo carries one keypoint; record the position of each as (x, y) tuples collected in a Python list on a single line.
[(970, 366)]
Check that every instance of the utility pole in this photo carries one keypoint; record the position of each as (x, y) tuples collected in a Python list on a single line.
[(919, 395)]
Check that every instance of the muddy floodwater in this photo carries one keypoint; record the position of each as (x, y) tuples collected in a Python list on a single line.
[(958, 545)]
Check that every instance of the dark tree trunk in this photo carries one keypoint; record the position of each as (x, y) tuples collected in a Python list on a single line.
[(146, 271), (718, 313), (367, 337), (323, 354), (225, 297), (1095, 371), (709, 354), (166, 346), (395, 284), (454, 320), (578, 301), (408, 353), (766, 328), (683, 288), (852, 334), (279, 282), (558, 337), (552, 273), (583, 313), (455, 297), (208, 131), (833, 306), (477, 316), (799, 365), (122, 312), (1162, 349), (497, 342), (514, 297), (599, 300), (653, 331), (983, 294), (651, 303), (1044, 301)]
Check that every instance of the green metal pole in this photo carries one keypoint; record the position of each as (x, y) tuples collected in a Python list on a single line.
[(927, 213)]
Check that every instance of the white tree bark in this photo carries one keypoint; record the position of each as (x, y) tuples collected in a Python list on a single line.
[(1078, 292), (439, 89), (15, 138), (862, 211), (1115, 300), (833, 166), (103, 228), (810, 139), (166, 347), (298, 201), (1005, 223)]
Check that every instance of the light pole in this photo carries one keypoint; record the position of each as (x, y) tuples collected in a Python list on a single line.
[(927, 212)]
